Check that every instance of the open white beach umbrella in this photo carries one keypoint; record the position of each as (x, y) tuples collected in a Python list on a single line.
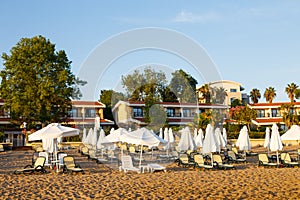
[(225, 136), (199, 138), (143, 137), (275, 141), (292, 134), (210, 143), (220, 138), (50, 133), (115, 136), (186, 141), (267, 140)]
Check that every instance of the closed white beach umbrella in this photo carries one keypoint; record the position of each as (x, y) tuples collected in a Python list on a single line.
[(166, 134), (195, 134), (225, 136), (220, 138), (210, 143), (267, 139), (161, 133), (243, 141), (275, 141), (171, 136), (101, 139), (199, 138), (97, 123), (89, 137), (186, 141), (94, 138), (83, 136)]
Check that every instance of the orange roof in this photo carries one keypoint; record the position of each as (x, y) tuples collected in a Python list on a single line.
[(268, 120), (88, 103), (273, 104)]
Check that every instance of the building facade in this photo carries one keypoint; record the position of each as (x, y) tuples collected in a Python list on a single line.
[(132, 113)]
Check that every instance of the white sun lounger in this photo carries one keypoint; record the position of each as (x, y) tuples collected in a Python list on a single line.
[(127, 165), (156, 167)]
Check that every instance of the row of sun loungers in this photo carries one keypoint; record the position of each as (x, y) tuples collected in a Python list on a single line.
[(285, 161)]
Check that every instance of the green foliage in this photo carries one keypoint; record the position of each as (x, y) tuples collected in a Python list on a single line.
[(205, 92), (202, 120), (288, 115), (255, 95), (2, 136), (183, 86), (218, 95), (157, 117), (37, 82), (237, 102), (242, 114), (270, 94), (149, 84), (292, 91)]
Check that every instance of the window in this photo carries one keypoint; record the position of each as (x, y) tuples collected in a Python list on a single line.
[(233, 90), (260, 113), (275, 112), (170, 112), (90, 112), (73, 113), (137, 112), (186, 113)]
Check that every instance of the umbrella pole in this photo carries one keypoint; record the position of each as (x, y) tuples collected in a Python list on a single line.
[(277, 157), (141, 156), (211, 159)]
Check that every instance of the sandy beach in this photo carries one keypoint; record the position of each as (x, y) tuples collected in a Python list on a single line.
[(248, 181)]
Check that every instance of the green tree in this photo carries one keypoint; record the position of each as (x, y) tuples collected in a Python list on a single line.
[(288, 115), (219, 95), (157, 117), (202, 120), (243, 115), (148, 83), (255, 95), (110, 98), (292, 90), (205, 93), (184, 86), (37, 82), (237, 102), (270, 94)]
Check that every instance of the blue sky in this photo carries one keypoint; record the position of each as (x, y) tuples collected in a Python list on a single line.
[(252, 42)]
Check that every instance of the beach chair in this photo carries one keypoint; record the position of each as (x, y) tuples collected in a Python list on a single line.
[(199, 162), (287, 161), (1, 148), (185, 161), (263, 160), (38, 166), (156, 167), (127, 165), (232, 157), (237, 154), (39, 149), (85, 151), (60, 157), (218, 162), (47, 162), (70, 165)]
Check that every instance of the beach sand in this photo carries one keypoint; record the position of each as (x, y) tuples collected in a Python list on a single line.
[(248, 181)]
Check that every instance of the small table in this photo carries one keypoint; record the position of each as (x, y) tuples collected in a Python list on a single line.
[(143, 167), (55, 163)]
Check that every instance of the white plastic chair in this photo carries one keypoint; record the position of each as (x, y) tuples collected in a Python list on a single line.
[(127, 165)]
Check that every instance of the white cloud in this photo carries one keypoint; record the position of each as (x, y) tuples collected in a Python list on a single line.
[(189, 17)]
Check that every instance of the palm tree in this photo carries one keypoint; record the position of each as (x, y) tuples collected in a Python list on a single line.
[(204, 90), (270, 94), (219, 95), (291, 90), (255, 95)]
